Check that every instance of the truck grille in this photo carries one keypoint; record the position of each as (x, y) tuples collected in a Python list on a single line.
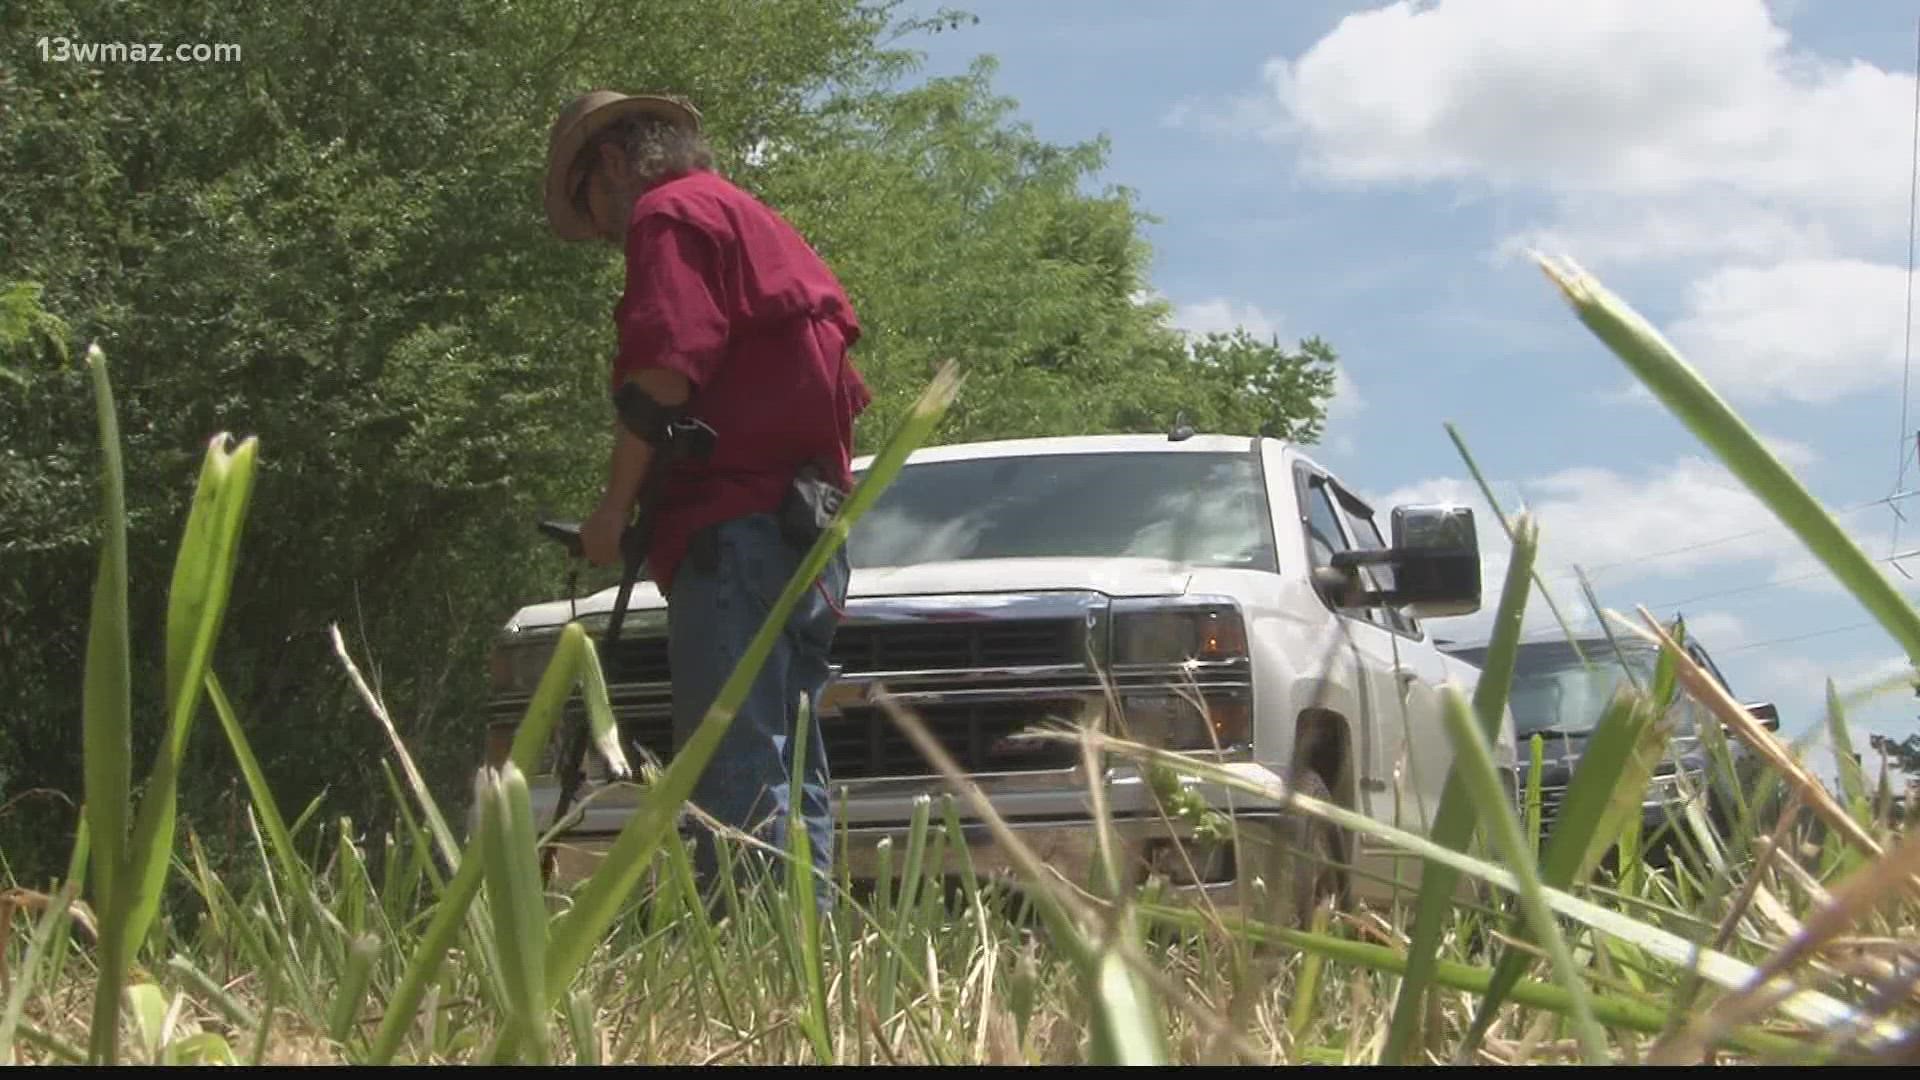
[(955, 646), (862, 742), (638, 660), (875, 649), (865, 742)]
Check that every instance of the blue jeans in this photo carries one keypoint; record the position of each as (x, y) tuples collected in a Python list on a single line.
[(713, 612)]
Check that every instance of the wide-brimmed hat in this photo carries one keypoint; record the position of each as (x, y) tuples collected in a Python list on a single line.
[(582, 119)]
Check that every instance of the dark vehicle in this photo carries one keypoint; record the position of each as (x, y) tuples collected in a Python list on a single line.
[(1561, 698)]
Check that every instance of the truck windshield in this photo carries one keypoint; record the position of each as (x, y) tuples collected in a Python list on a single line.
[(1202, 509), (1553, 692)]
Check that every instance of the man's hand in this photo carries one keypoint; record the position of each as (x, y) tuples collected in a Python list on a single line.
[(600, 535)]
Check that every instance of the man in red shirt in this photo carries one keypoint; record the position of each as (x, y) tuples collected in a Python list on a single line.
[(728, 317)]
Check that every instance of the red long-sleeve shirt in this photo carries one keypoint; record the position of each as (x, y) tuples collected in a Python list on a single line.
[(724, 291)]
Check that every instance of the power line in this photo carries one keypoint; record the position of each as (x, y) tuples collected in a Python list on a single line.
[(1717, 594), (1687, 549), (1906, 375), (1764, 585), (1796, 637)]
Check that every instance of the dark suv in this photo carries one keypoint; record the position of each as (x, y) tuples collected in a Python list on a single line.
[(1561, 698)]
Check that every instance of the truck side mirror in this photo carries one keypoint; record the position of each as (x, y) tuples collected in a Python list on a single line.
[(1767, 713), (1435, 559), (1436, 566)]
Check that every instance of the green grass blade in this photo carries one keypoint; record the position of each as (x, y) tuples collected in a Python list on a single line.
[(1306, 989), (606, 732), (106, 716), (1506, 525), (344, 1011), (1622, 1013), (292, 868), (189, 594), (223, 1002), (1853, 780), (801, 892), (679, 868), (52, 921), (147, 1004), (1126, 1025), (1610, 773), (1454, 824), (1471, 753), (77, 875), (514, 893), (581, 1026), (264, 1032), (597, 904), (907, 901), (152, 843), (456, 901), (1536, 764), (1688, 396), (1807, 1006), (52, 1044)]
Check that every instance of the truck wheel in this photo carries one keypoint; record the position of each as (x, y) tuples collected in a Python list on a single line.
[(1295, 883)]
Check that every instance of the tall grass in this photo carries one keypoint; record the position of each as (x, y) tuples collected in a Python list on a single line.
[(1788, 939)]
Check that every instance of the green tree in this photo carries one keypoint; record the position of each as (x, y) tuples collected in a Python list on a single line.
[(336, 244), (959, 233)]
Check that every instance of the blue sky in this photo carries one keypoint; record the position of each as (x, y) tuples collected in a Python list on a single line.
[(1373, 174)]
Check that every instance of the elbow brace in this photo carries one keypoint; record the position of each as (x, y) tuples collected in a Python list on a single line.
[(650, 421), (667, 428)]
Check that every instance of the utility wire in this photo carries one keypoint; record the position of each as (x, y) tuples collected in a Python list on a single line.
[(1906, 376), (1687, 549), (1763, 586), (1771, 642)]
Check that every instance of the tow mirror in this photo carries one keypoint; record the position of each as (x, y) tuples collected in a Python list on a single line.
[(1435, 560), (1767, 713)]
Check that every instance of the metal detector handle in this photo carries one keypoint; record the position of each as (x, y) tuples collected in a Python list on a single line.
[(566, 533)]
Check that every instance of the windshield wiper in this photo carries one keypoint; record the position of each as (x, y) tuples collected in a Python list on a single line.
[(1558, 731)]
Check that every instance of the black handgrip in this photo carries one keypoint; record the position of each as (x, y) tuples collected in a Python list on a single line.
[(566, 533)]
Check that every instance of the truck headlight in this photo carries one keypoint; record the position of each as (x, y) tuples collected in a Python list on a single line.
[(1171, 721), (515, 665), (1156, 632)]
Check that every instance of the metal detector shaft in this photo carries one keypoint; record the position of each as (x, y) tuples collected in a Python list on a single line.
[(686, 439)]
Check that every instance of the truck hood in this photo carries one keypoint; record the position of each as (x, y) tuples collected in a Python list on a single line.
[(1112, 577)]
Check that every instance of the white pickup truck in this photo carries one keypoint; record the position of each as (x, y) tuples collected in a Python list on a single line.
[(997, 586)]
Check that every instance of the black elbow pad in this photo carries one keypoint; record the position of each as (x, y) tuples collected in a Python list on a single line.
[(650, 421)]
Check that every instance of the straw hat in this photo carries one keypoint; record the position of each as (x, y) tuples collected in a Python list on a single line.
[(582, 119)]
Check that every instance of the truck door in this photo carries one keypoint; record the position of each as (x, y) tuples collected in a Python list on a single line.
[(1419, 671), (1401, 672)]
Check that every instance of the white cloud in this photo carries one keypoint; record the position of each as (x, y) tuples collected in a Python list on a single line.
[(1221, 316), (1640, 538), (1690, 515), (1657, 130), (1613, 231), (1809, 330), (1347, 402), (1720, 631), (1792, 454), (1609, 96), (1633, 393), (1638, 133)]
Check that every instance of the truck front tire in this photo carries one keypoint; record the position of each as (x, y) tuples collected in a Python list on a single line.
[(1298, 862)]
